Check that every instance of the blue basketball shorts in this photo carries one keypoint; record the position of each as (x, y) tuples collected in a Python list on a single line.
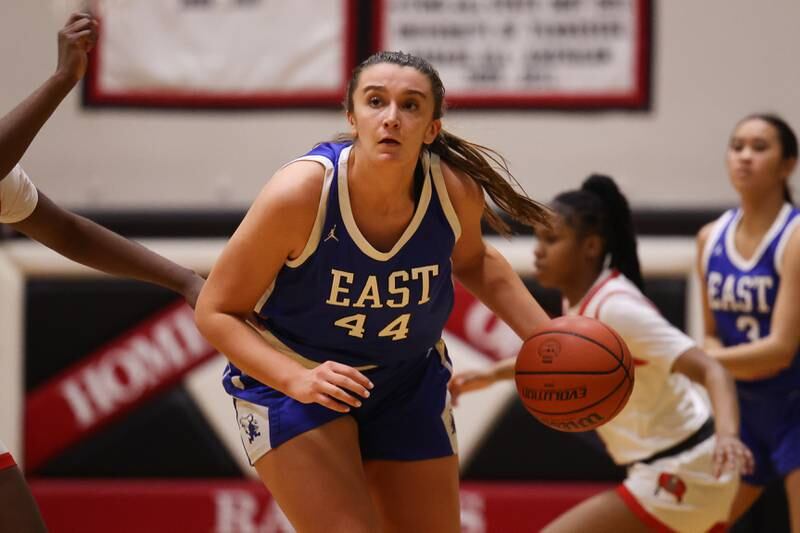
[(771, 429), (407, 417)]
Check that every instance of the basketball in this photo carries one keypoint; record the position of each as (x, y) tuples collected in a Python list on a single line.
[(574, 373)]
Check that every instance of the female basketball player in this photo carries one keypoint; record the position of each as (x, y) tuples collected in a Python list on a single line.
[(682, 474), (32, 213), (749, 261), (340, 384)]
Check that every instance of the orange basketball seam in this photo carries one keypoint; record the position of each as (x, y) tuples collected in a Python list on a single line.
[(622, 349), (584, 337)]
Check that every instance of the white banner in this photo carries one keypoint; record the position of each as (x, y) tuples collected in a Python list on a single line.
[(512, 52), (221, 51)]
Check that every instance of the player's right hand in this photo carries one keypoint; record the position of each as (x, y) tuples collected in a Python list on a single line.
[(730, 453), (75, 40), (469, 381), (331, 384)]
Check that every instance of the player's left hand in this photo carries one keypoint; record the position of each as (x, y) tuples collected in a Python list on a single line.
[(732, 454)]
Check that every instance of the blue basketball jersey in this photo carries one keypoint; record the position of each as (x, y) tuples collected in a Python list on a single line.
[(346, 301), (742, 293)]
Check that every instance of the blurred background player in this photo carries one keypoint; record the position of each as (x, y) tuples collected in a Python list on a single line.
[(749, 262), (684, 465), (353, 290), (32, 213)]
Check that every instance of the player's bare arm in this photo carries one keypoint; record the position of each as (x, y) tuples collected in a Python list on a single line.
[(275, 229), (730, 452), (90, 244), (473, 380), (481, 268), (710, 339), (21, 124)]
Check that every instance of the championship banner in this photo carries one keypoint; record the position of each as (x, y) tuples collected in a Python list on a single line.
[(541, 54), (221, 53)]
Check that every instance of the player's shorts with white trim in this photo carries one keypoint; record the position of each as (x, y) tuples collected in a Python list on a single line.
[(407, 417), (680, 492)]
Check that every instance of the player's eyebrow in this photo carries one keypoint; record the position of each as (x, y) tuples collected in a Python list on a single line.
[(414, 92)]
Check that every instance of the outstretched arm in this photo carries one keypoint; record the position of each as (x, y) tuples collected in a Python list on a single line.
[(482, 269), (473, 380), (487, 275), (21, 124), (729, 451), (90, 244)]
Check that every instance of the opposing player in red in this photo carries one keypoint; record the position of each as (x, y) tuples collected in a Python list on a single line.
[(683, 466), (32, 213)]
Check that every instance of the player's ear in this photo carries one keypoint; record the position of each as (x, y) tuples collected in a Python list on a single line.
[(433, 130), (787, 166), (352, 121), (593, 246)]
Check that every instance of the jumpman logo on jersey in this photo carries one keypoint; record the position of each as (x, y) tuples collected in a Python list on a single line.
[(331, 235)]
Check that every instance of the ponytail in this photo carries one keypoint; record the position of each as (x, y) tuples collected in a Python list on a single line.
[(490, 170), (600, 208)]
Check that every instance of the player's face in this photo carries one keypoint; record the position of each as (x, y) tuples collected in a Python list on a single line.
[(392, 112), (755, 160), (558, 255)]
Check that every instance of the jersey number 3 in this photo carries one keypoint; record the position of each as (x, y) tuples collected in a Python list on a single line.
[(397, 329), (750, 326)]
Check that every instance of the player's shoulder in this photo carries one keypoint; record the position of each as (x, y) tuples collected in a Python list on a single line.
[(464, 191), (713, 226), (297, 185), (705, 232), (617, 296), (619, 283)]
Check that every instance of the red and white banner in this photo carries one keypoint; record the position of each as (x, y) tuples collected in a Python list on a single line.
[(477, 325), (162, 506), (572, 53), (217, 53), (163, 350), (144, 361)]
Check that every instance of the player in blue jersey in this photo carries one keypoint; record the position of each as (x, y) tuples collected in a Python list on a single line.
[(340, 378), (749, 261), (30, 212)]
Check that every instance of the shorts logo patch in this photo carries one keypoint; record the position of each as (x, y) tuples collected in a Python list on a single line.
[(672, 484), (250, 426)]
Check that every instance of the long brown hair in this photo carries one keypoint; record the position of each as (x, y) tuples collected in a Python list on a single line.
[(482, 164)]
